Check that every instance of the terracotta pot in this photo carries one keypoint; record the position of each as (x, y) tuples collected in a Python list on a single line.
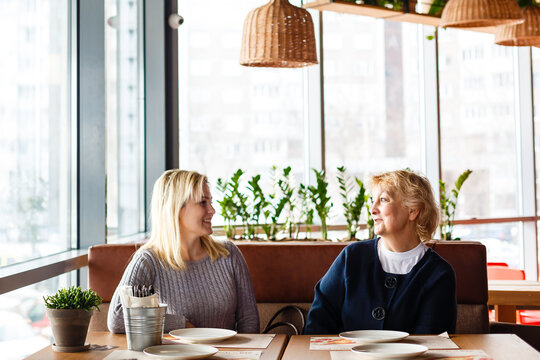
[(412, 6), (69, 326)]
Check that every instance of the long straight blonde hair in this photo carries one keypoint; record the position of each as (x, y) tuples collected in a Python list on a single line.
[(171, 192)]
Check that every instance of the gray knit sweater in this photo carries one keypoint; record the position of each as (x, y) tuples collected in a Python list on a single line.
[(215, 294)]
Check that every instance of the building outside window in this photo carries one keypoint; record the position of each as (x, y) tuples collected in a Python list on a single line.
[(35, 141), (36, 203), (478, 132), (233, 116), (373, 113), (371, 98)]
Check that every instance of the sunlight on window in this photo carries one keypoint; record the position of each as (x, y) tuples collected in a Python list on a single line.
[(478, 132), (35, 146), (125, 118), (372, 119), (233, 116)]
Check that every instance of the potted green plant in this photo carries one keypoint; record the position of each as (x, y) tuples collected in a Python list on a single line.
[(228, 209), (431, 7), (448, 205), (240, 202), (307, 211), (286, 187), (321, 200), (352, 205), (69, 312), (259, 202), (274, 208)]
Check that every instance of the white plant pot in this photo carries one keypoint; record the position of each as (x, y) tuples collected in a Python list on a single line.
[(423, 6)]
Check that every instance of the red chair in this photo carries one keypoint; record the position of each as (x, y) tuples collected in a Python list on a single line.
[(529, 317), (503, 272), (497, 264), (496, 272)]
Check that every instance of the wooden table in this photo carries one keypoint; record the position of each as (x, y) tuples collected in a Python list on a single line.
[(498, 346), (507, 295), (272, 352)]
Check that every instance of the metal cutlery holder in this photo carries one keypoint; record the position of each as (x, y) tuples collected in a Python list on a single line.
[(144, 326)]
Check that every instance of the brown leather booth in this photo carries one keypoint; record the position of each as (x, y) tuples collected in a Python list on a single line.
[(286, 273)]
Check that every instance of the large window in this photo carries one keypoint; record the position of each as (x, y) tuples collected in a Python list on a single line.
[(371, 97), (377, 116), (124, 118), (231, 116), (35, 118), (36, 151), (478, 132)]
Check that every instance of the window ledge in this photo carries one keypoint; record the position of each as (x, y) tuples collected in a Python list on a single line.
[(16, 276)]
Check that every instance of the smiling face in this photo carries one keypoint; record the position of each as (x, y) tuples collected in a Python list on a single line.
[(391, 219), (196, 216)]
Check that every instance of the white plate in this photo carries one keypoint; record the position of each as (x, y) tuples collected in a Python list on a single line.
[(203, 334), (374, 336), (181, 351), (389, 350)]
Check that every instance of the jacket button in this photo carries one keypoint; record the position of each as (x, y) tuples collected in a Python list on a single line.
[(390, 282), (378, 313)]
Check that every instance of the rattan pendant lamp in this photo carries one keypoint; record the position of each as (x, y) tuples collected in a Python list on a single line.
[(525, 34), (480, 13), (278, 34)]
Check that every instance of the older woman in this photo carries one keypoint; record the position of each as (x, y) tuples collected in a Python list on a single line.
[(392, 282), (205, 283)]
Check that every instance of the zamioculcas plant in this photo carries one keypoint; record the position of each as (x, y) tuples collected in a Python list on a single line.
[(240, 201), (228, 209), (437, 7), (306, 210), (321, 200), (268, 228), (352, 205), (259, 200), (287, 193), (448, 205), (272, 211)]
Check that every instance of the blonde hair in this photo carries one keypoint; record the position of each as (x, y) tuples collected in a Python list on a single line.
[(171, 192), (416, 193)]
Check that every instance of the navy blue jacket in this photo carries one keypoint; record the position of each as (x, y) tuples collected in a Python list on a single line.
[(357, 294)]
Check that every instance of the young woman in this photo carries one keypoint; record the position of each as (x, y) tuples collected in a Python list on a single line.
[(393, 282), (205, 283)]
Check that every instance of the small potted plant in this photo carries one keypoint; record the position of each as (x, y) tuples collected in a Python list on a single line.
[(321, 200), (69, 312), (448, 202), (352, 204)]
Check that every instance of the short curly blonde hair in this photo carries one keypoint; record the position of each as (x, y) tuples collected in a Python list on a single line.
[(415, 192)]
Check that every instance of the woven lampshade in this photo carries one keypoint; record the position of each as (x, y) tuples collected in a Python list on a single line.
[(525, 34), (480, 13), (278, 34)]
